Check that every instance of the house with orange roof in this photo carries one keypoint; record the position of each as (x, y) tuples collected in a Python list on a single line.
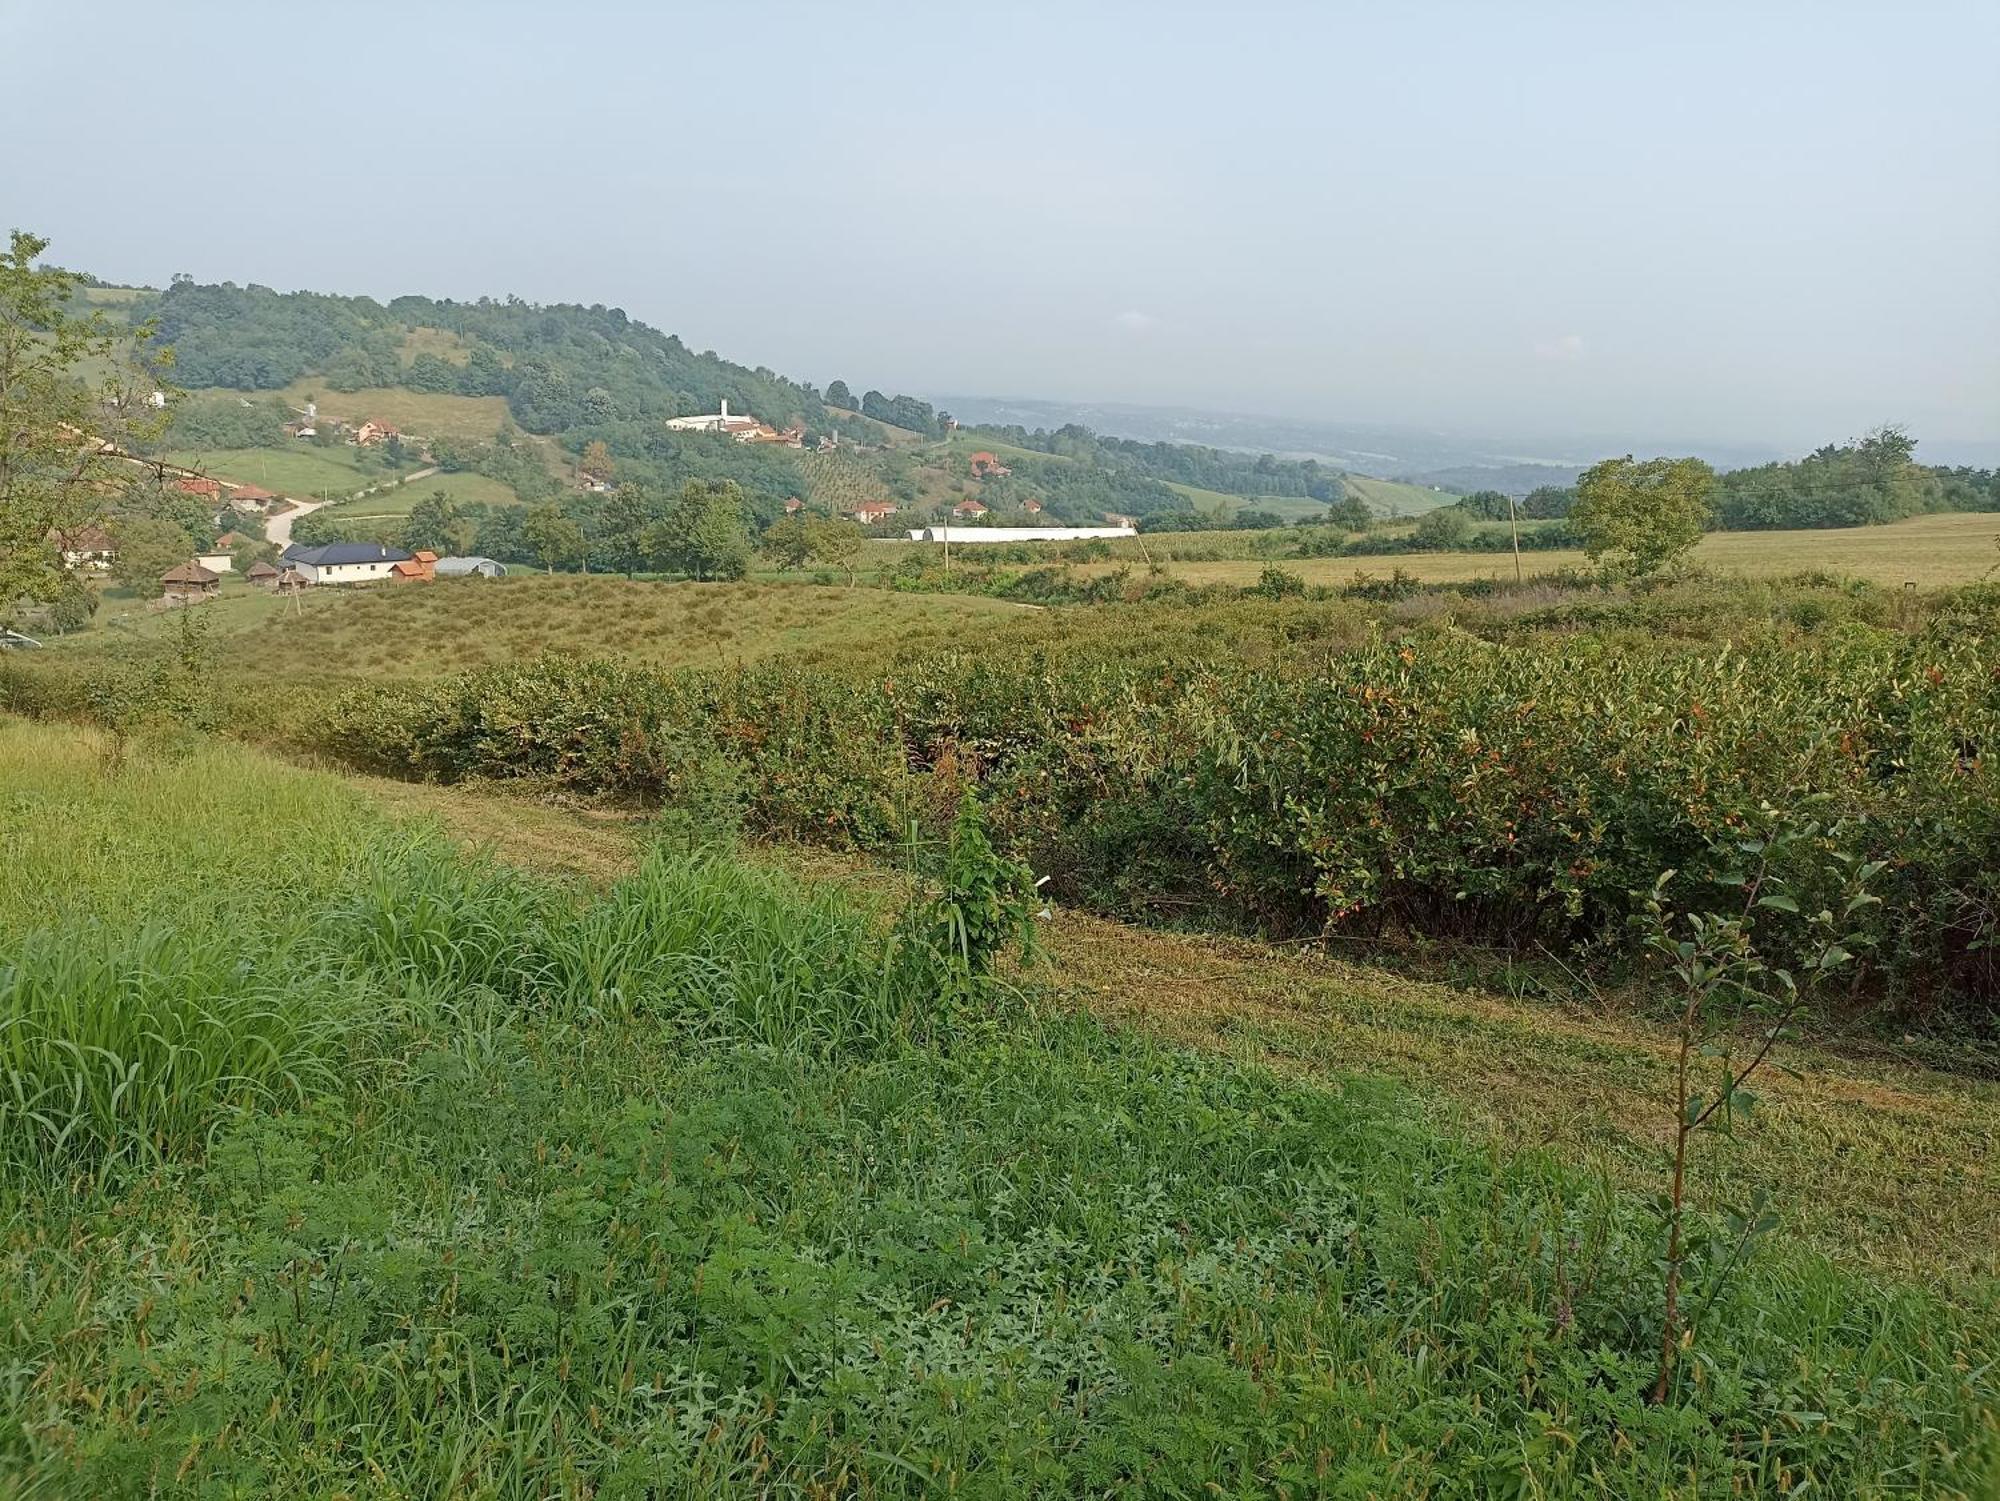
[(988, 466)]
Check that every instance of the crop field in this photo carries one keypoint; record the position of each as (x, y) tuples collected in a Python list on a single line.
[(301, 470), (474, 1180)]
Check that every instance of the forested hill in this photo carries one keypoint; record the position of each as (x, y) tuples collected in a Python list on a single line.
[(561, 366)]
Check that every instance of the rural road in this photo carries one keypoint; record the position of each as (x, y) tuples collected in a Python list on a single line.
[(278, 529)]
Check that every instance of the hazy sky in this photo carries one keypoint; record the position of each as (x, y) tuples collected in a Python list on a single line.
[(1739, 221)]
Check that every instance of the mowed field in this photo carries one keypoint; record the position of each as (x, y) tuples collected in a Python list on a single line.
[(1217, 503), (302, 470), (1387, 497), (464, 488), (455, 624), (422, 413), (1926, 551)]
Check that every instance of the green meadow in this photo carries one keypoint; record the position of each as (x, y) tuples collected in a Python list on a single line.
[(337, 1162)]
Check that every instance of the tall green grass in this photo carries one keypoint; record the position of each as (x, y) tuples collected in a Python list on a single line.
[(662, 1191)]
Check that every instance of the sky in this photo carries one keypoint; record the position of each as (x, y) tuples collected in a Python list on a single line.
[(1750, 222)]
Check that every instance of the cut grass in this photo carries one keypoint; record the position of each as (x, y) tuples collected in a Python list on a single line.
[(650, 1192), (1387, 497), (465, 488), (1928, 551), (302, 471), (1876, 1162), (422, 413)]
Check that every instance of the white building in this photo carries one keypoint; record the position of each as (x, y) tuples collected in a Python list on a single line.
[(344, 562), (714, 422), (970, 534), (216, 562)]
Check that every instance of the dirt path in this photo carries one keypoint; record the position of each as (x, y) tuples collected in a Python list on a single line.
[(1875, 1161)]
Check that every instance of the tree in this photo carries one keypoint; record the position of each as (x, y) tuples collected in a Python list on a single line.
[(54, 473), (147, 548), (835, 543), (438, 524), (596, 461), (837, 395), (1642, 515), (554, 538), (1547, 503), (622, 522), (1350, 513), (703, 533), (787, 542), (1447, 526)]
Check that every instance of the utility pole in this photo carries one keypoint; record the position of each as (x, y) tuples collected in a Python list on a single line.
[(1514, 521)]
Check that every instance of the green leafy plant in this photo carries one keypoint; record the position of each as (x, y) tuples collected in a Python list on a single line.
[(1725, 983)]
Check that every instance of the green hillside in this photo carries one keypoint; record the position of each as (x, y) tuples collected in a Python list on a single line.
[(1387, 497)]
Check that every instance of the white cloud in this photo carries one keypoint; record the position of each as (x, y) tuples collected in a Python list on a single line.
[(1568, 347)]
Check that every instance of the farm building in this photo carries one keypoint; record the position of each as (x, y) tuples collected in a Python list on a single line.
[(85, 547), (262, 574), (420, 567), (373, 432), (446, 568), (969, 534), (188, 583), (344, 562), (251, 497)]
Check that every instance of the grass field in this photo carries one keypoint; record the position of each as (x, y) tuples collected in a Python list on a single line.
[(1925, 550), (1392, 498), (419, 412), (375, 1170), (1215, 503), (466, 488), (302, 470), (418, 631)]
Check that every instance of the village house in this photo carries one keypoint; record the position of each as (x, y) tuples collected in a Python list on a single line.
[(793, 505), (1114, 518), (262, 575), (291, 581), (985, 534), (216, 559), (195, 484), (418, 567), (967, 508), (189, 583), (344, 562), (251, 497), (988, 466), (1032, 507), (372, 432), (85, 547), (871, 511)]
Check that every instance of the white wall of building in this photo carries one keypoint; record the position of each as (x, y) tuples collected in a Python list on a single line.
[(976, 534)]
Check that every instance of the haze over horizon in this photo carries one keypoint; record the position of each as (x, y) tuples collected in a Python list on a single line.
[(1776, 226)]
